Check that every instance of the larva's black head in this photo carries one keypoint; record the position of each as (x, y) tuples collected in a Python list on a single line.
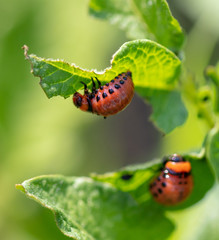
[(176, 158), (77, 99), (173, 158), (82, 102), (129, 73)]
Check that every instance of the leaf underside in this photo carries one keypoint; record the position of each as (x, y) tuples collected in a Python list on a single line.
[(155, 71), (152, 66)]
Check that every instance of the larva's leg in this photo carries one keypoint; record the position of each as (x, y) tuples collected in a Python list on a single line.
[(94, 86), (98, 81), (85, 88)]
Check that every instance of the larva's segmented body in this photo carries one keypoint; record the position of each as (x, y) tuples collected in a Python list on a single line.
[(108, 99), (175, 182)]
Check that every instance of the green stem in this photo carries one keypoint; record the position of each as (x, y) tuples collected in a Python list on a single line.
[(199, 48), (208, 116)]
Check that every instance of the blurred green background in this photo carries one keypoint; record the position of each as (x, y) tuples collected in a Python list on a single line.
[(40, 136)]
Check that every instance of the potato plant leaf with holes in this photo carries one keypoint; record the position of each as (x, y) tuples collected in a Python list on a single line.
[(135, 179), (115, 205), (150, 19), (154, 69)]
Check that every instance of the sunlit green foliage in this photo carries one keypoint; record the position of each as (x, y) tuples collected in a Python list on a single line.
[(141, 19), (107, 206), (155, 71)]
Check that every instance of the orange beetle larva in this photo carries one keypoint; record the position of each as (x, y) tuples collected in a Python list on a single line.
[(108, 99), (175, 182)]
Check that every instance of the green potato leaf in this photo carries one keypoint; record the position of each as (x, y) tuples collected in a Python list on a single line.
[(212, 147), (133, 179), (152, 66), (149, 19), (88, 210), (164, 117)]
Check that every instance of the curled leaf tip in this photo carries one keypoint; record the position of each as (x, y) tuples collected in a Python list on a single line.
[(20, 187), (26, 48)]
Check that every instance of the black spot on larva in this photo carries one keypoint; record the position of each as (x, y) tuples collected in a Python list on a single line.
[(155, 195), (172, 172), (92, 95), (159, 190), (121, 82), (104, 95), (120, 74), (117, 86), (101, 87), (165, 175), (112, 81), (150, 186), (158, 178), (116, 77), (163, 184), (125, 78), (126, 176), (96, 91), (154, 184), (186, 174), (111, 91), (180, 183), (107, 84), (98, 98)]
